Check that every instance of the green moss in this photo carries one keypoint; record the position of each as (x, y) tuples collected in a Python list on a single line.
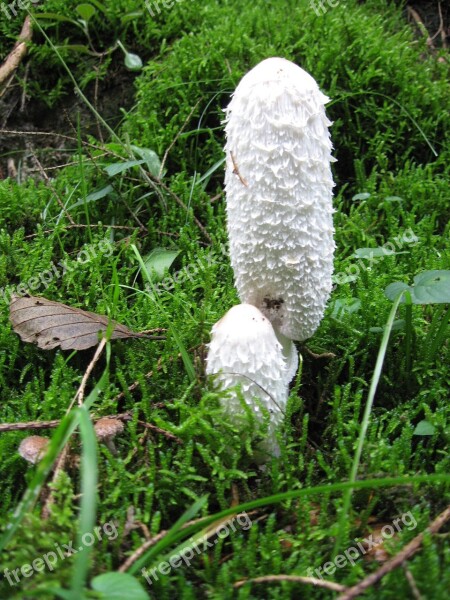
[(388, 103)]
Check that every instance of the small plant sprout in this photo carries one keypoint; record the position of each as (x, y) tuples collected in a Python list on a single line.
[(278, 186), (106, 430), (33, 448), (245, 351)]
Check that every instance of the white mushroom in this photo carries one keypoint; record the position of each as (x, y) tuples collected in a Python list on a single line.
[(33, 448), (245, 350), (106, 430), (279, 196)]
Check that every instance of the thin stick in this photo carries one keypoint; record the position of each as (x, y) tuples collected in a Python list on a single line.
[(163, 432), (172, 144), (58, 469), (397, 560), (136, 384), (210, 531), (179, 201), (236, 170), (18, 52), (82, 225), (329, 585), (50, 185), (61, 461), (79, 396), (127, 416), (412, 583), (441, 29), (148, 544)]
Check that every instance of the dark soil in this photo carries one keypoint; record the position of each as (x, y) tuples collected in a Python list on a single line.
[(39, 128)]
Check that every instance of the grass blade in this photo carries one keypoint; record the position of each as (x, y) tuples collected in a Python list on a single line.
[(343, 519)]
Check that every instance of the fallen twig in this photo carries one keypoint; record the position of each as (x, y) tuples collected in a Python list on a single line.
[(173, 142), (61, 461), (329, 585), (16, 55), (397, 560), (209, 532), (236, 170), (50, 185), (126, 416), (148, 544)]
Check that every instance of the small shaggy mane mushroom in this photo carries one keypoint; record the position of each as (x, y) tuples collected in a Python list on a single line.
[(244, 350)]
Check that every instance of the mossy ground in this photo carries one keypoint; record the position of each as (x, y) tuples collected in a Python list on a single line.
[(390, 106)]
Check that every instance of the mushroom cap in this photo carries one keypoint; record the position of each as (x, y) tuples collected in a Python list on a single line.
[(33, 448), (278, 186), (108, 428), (245, 350)]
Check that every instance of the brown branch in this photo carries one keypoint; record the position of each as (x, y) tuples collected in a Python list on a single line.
[(209, 532), (236, 170), (180, 202), (397, 560), (412, 583), (19, 51), (58, 469), (148, 544), (329, 585), (172, 144), (79, 396), (62, 459), (329, 355), (82, 225), (136, 384), (50, 185), (441, 29), (126, 416)]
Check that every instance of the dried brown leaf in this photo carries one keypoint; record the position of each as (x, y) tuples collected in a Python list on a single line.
[(51, 324)]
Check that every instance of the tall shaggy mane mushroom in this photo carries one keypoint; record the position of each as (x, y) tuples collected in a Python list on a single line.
[(278, 186)]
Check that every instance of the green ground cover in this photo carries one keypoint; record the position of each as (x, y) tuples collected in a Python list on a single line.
[(390, 106)]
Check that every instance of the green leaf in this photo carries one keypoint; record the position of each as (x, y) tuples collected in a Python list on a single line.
[(133, 62), (158, 261), (55, 17), (122, 166), (55, 593), (380, 251), (189, 367), (116, 586), (99, 194), (424, 428), (88, 505), (328, 488), (397, 325), (86, 11), (151, 159), (210, 171), (345, 305), (101, 7), (394, 289), (362, 196), (430, 287), (393, 199), (131, 16)]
